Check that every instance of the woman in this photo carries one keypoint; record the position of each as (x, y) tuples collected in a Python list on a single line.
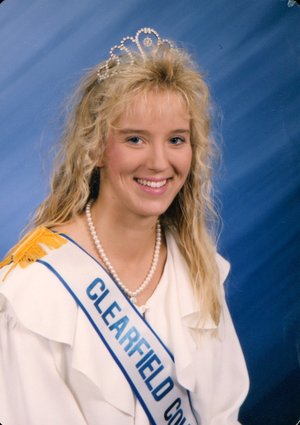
[(112, 308)]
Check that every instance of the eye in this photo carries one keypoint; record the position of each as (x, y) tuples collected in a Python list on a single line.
[(177, 140), (135, 140)]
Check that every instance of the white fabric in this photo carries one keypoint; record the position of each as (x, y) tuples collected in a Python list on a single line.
[(54, 370)]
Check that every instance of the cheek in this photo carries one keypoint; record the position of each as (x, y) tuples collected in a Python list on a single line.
[(119, 163), (113, 159), (186, 162)]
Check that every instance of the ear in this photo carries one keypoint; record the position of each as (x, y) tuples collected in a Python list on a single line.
[(101, 161), (101, 155)]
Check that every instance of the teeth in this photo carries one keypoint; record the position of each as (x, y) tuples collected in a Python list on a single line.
[(150, 183)]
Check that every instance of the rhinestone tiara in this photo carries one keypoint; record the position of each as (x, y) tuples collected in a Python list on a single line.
[(145, 42)]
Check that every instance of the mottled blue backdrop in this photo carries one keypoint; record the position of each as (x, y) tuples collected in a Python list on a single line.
[(250, 53)]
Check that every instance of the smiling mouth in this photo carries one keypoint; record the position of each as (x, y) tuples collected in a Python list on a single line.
[(151, 183)]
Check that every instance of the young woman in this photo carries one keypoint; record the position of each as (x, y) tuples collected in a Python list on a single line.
[(112, 308)]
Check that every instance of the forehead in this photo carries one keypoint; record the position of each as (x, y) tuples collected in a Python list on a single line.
[(154, 105)]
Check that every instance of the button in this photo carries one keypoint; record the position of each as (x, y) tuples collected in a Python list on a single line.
[(143, 309)]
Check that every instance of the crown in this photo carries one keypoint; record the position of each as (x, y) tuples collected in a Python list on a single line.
[(145, 42)]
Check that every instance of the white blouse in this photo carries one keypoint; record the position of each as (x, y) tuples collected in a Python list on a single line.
[(55, 370)]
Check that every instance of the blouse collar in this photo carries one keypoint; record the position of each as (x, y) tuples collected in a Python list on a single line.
[(34, 297)]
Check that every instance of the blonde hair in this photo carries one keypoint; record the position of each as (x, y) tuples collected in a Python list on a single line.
[(97, 106)]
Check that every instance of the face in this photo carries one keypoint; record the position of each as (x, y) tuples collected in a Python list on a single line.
[(148, 156)]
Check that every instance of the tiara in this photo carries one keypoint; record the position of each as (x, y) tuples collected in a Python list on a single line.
[(146, 41)]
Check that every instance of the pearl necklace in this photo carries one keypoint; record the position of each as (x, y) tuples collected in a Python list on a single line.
[(132, 294)]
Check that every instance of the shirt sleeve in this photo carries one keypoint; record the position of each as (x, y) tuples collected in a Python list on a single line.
[(32, 390), (220, 394)]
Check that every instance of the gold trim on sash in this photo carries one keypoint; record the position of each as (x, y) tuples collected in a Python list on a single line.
[(32, 247)]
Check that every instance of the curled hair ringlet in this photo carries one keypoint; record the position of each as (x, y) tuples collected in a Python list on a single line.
[(97, 108)]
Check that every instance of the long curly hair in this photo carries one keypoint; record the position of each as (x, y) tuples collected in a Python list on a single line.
[(96, 107)]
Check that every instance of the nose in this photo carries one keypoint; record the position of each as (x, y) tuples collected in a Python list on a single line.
[(157, 158)]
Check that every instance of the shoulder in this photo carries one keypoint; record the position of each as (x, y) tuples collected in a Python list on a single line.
[(28, 289), (222, 264)]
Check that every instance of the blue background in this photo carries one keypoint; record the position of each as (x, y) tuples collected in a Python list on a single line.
[(250, 53)]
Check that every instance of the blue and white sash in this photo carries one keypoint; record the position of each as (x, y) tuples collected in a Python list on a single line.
[(145, 361)]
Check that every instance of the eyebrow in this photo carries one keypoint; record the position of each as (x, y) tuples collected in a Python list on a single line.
[(140, 131)]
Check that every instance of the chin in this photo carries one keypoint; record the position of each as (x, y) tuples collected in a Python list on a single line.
[(152, 212)]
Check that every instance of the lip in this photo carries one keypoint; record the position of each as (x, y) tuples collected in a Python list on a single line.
[(152, 179)]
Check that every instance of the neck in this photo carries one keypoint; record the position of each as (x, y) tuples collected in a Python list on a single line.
[(124, 235)]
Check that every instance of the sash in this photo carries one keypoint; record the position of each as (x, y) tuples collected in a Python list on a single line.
[(144, 360)]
